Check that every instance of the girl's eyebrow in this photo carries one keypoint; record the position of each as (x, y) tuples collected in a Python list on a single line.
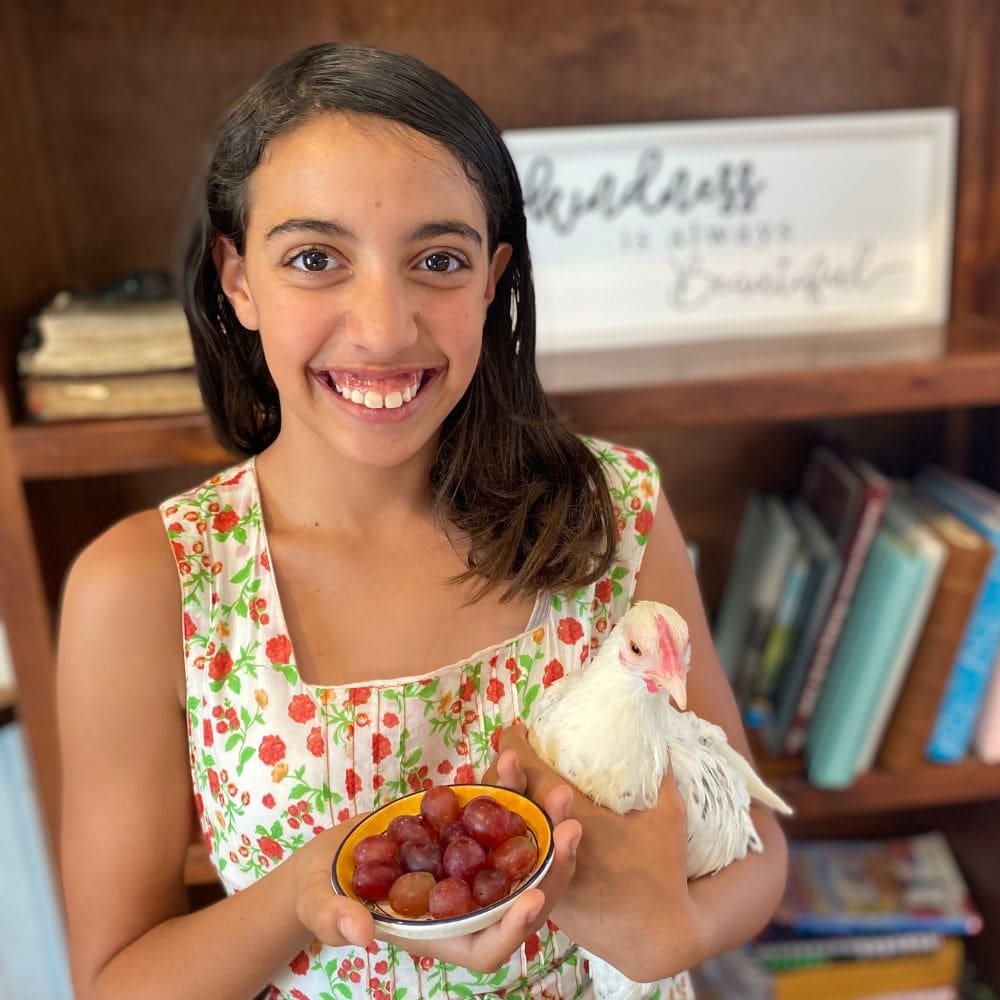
[(334, 229)]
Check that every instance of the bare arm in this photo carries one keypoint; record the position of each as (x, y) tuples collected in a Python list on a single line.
[(127, 810), (630, 901)]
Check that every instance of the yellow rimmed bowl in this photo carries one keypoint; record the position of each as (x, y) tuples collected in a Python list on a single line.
[(429, 928)]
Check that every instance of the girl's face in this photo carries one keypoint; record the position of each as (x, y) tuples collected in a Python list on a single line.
[(367, 274)]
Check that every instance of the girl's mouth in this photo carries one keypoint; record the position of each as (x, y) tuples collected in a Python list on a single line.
[(373, 393)]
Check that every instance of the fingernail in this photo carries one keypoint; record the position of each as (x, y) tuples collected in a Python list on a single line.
[(344, 926), (575, 844)]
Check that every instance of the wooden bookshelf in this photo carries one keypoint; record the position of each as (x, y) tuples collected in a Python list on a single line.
[(967, 374)]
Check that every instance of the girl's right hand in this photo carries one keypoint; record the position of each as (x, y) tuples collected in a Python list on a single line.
[(333, 919)]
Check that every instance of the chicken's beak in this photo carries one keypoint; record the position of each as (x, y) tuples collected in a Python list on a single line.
[(676, 688)]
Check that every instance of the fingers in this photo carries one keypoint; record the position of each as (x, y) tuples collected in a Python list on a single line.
[(334, 919), (510, 774)]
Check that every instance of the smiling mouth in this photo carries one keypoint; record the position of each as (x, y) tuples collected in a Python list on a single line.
[(375, 393)]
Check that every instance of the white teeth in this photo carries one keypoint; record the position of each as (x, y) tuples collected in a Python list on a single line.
[(372, 399)]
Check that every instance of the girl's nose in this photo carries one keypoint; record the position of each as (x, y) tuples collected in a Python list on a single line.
[(380, 320)]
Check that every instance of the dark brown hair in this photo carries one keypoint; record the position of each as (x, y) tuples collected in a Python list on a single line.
[(529, 495)]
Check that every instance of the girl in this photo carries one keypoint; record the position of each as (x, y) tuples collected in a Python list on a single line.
[(411, 550)]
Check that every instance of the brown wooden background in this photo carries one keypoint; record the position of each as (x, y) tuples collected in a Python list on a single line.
[(108, 107)]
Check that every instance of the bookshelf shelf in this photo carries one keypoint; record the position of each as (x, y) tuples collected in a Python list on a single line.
[(968, 375), (880, 791)]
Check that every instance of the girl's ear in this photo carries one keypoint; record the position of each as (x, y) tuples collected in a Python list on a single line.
[(501, 258), (232, 277)]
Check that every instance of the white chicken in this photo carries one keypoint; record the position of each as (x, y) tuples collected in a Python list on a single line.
[(620, 764)]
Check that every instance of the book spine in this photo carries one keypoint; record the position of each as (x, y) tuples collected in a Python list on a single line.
[(952, 734), (986, 742), (873, 506), (920, 699)]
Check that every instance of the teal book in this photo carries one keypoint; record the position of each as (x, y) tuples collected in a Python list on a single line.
[(892, 582)]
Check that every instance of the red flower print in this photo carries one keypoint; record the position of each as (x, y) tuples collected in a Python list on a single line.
[(314, 742), (444, 767), (268, 800), (381, 747), (299, 995), (220, 665), (494, 690), (381, 968), (272, 749), (359, 696), (178, 550), (465, 775), (264, 561), (532, 946), (301, 708), (279, 649), (300, 964), (643, 521), (584, 653), (271, 847), (467, 690), (553, 671), (495, 740), (390, 720), (426, 963), (206, 732), (603, 591), (352, 783), (213, 782), (189, 626), (637, 463), (569, 630), (344, 815), (378, 780), (225, 521)]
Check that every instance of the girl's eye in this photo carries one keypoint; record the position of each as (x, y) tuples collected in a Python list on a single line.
[(443, 263), (312, 260)]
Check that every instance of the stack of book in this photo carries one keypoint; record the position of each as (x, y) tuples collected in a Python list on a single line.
[(860, 624), (859, 919), (91, 357)]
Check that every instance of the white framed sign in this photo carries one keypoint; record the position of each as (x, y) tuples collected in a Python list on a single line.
[(671, 233)]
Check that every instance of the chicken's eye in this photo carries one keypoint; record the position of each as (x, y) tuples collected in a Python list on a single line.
[(635, 648)]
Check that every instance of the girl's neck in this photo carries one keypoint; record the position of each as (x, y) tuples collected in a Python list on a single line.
[(329, 494)]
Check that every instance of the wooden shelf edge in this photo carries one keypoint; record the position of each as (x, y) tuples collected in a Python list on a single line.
[(967, 376), (880, 791)]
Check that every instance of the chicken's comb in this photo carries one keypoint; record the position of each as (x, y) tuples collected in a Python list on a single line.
[(668, 651)]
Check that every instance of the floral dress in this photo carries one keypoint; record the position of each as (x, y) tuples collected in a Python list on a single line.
[(276, 761)]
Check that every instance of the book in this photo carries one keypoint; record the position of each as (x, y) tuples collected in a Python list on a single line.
[(782, 539), (899, 884), (954, 726), (106, 335), (933, 975), (732, 619), (100, 397), (967, 556), (825, 569), (775, 951), (877, 640), (33, 958), (848, 498)]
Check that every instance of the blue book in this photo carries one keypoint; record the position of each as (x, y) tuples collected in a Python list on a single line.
[(894, 586), (33, 960), (951, 736)]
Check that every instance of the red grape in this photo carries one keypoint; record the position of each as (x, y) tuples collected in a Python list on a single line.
[(410, 827), (490, 885), (516, 857), (451, 831), (440, 806), (486, 819), (463, 858), (373, 879), (410, 894), (451, 897), (377, 848), (421, 856)]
